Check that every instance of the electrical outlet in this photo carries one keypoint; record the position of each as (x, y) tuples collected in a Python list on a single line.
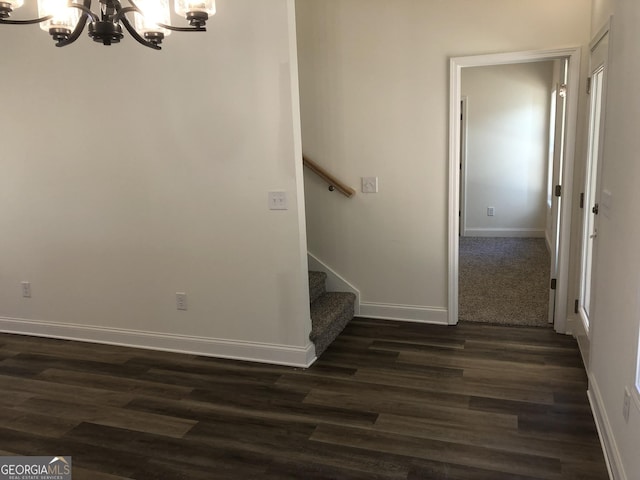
[(181, 300), (26, 289), (491, 211), (626, 405)]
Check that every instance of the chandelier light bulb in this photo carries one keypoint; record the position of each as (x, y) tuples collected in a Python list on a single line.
[(14, 3), (153, 13), (196, 11), (183, 7), (65, 18)]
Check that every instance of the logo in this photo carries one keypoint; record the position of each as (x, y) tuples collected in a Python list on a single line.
[(35, 468)]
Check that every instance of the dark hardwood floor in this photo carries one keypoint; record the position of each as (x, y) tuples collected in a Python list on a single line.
[(386, 401)]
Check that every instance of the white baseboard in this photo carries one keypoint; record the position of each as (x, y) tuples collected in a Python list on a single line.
[(505, 232), (211, 347), (609, 447), (335, 282), (406, 313)]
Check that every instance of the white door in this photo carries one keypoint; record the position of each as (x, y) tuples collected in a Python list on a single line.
[(590, 198), (559, 109)]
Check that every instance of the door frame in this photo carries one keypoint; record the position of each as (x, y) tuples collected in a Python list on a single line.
[(455, 93), (581, 331)]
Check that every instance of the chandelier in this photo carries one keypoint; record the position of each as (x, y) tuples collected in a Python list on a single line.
[(65, 20)]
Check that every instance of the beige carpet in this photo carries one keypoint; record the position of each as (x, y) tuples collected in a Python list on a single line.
[(504, 281)]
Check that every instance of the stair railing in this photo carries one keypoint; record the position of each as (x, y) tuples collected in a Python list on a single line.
[(334, 183)]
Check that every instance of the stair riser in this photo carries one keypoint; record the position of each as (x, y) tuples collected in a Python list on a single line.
[(317, 286), (316, 292)]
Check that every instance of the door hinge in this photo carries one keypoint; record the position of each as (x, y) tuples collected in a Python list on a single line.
[(595, 209), (582, 200), (588, 85), (554, 283), (558, 190), (576, 307)]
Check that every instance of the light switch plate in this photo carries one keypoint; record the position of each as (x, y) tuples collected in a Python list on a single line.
[(369, 184), (181, 301), (26, 289)]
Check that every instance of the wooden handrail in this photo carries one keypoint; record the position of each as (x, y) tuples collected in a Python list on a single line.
[(333, 182)]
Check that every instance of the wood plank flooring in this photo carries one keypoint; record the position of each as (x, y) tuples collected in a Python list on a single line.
[(387, 400)]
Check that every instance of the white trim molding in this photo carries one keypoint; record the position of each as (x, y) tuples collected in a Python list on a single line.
[(299, 168), (210, 347), (607, 439), (405, 313)]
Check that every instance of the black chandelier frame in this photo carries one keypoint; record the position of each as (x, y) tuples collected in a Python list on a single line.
[(106, 28)]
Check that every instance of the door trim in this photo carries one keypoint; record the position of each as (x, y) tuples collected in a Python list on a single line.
[(578, 327), (455, 83), (463, 163)]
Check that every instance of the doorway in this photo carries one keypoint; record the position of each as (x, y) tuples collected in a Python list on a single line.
[(572, 57), (507, 141)]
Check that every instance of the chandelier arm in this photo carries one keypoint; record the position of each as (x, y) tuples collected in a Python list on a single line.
[(134, 6), (86, 10), (122, 12), (182, 29), (26, 22), (137, 36)]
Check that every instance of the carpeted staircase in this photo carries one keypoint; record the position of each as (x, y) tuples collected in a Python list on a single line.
[(330, 312)]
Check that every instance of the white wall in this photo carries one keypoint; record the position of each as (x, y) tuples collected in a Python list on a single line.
[(507, 144), (129, 175), (615, 321), (375, 96)]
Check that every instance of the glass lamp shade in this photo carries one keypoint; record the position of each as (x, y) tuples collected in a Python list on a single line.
[(64, 17), (153, 12), (14, 3), (182, 7)]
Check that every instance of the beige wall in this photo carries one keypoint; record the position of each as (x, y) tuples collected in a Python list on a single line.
[(616, 313), (507, 148), (129, 175), (602, 10), (375, 96)]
